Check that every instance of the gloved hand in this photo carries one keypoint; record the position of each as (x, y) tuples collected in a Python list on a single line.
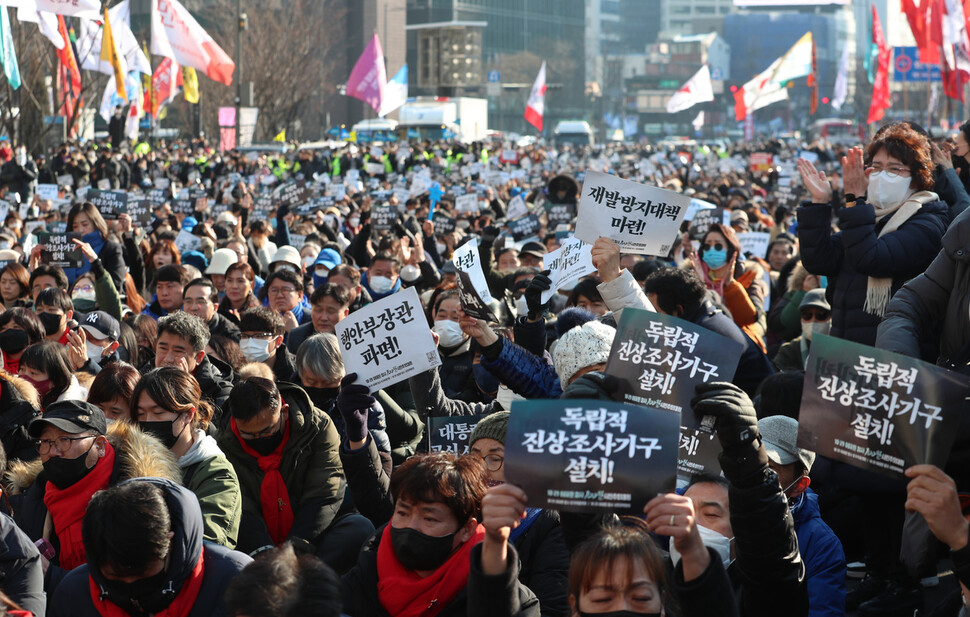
[(593, 385), (533, 294), (353, 402), (490, 233), (282, 211), (736, 421)]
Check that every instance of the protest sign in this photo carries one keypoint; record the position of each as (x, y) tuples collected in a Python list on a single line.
[(467, 203), (387, 341), (698, 454), (590, 456), (140, 211), (293, 193), (59, 249), (878, 410), (162, 183), (697, 205), (658, 359), (525, 227), (47, 191), (352, 176), (65, 180), (443, 224), (158, 196), (703, 219), (451, 433), (567, 264), (109, 203), (472, 285), (374, 169), (760, 161), (419, 185), (516, 209), (183, 206), (639, 218), (185, 242), (4, 209), (754, 243), (560, 213), (337, 191), (382, 217), (104, 184), (262, 207), (402, 195)]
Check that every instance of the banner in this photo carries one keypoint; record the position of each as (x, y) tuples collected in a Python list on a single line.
[(109, 203), (704, 219), (525, 227), (567, 264), (59, 249), (560, 214), (590, 456), (382, 217), (878, 410), (472, 286), (754, 243), (387, 341), (639, 218), (451, 433), (698, 454), (535, 108), (516, 208)]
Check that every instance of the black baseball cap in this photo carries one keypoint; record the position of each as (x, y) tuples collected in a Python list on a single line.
[(101, 325), (70, 416)]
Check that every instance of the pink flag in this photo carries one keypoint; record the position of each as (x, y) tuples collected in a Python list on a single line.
[(536, 107), (369, 77)]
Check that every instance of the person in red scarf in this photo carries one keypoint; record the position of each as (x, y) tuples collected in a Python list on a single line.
[(19, 328), (286, 455), (146, 556), (423, 562)]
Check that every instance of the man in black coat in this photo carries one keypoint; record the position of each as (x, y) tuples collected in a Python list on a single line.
[(201, 298), (19, 174)]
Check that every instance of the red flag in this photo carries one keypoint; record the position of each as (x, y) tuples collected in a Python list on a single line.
[(880, 87), (165, 84), (928, 52), (813, 84), (740, 111), (536, 107)]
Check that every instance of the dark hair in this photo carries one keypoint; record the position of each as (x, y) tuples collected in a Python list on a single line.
[(115, 379), (708, 477), (88, 209), (387, 257), (145, 325), (172, 273), (781, 239), (50, 357), (262, 319), (173, 390), (227, 350), (675, 286), (587, 288), (251, 396), (128, 342), (55, 298), (442, 477), (347, 271), (444, 295), (286, 275), (280, 584), (644, 268), (331, 290), (186, 326), (780, 394), (730, 236), (26, 319), (601, 552), (162, 245), (243, 267), (204, 282), (60, 279), (127, 527), (902, 142), (19, 274)]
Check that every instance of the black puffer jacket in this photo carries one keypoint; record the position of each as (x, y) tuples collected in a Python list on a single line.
[(21, 574), (848, 258), (73, 596), (19, 404)]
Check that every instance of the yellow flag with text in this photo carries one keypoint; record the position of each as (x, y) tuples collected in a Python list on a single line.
[(190, 84), (109, 53)]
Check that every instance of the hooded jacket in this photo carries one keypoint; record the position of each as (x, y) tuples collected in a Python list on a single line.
[(310, 468), (21, 573), (73, 597), (215, 379), (207, 473), (137, 454), (19, 404), (824, 558)]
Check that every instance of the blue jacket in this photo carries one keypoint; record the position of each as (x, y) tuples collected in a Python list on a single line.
[(824, 559), (524, 373)]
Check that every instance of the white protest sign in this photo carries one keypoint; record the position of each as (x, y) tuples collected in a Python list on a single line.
[(808, 155), (187, 242), (517, 208), (639, 218), (695, 205), (419, 185), (403, 195), (352, 175), (754, 243), (472, 285), (65, 180), (47, 191), (24, 210), (570, 262), (374, 169), (4, 209), (377, 152), (387, 341), (337, 191), (467, 203), (104, 184)]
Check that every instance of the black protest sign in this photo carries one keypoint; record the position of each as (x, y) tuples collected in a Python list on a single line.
[(60, 250), (878, 410), (293, 193), (525, 227), (262, 207), (159, 196), (589, 455), (659, 359), (698, 454), (443, 224), (558, 214), (473, 290), (184, 206), (140, 211), (109, 203), (382, 218), (451, 433), (703, 219)]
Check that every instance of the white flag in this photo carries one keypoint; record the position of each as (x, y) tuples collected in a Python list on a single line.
[(78, 8), (841, 80), (535, 109), (395, 92), (697, 89), (698, 122), (47, 22), (177, 35), (89, 43)]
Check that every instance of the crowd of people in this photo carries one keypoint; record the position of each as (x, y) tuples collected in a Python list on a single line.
[(181, 437)]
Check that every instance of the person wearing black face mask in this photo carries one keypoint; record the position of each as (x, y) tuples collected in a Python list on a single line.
[(155, 562), (19, 328), (285, 453), (55, 310), (78, 457)]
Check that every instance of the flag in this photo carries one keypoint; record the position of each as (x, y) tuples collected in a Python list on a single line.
[(535, 109), (368, 80), (769, 86), (165, 83), (956, 50), (880, 86), (813, 85), (8, 55), (281, 136), (190, 84), (177, 35), (68, 74), (841, 89), (697, 89), (918, 25), (46, 22), (109, 52), (396, 92), (112, 99), (89, 44), (137, 108), (90, 9), (698, 122)]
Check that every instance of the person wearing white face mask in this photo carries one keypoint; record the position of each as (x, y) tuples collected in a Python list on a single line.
[(891, 227), (102, 332), (262, 341), (816, 316), (454, 347), (383, 277)]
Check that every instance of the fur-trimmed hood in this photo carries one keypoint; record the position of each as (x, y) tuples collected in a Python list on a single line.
[(22, 386), (139, 454), (797, 278)]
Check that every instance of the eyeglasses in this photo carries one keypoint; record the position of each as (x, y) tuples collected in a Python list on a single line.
[(817, 315), (266, 432), (892, 171), (259, 335), (63, 444), (493, 462), (281, 291)]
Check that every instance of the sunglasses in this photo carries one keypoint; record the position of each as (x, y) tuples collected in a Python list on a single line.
[(716, 247), (817, 315)]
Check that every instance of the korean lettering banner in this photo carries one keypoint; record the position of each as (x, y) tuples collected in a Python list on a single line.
[(443, 224), (754, 243), (558, 214), (383, 217), (387, 341), (467, 203), (60, 250), (451, 433), (140, 211), (109, 203), (878, 410), (639, 218), (516, 208), (590, 455), (697, 455), (472, 286), (659, 359), (703, 219), (525, 227), (570, 262)]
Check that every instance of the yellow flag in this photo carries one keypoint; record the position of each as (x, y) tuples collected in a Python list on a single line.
[(109, 53), (190, 84), (281, 136)]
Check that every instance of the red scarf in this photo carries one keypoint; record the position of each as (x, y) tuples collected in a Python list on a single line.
[(277, 510), (180, 606), (403, 593), (67, 508), (10, 365)]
